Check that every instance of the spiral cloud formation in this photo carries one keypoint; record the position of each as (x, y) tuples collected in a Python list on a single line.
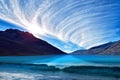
[(85, 23)]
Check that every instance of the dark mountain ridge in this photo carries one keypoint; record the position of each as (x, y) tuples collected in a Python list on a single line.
[(15, 42), (111, 48)]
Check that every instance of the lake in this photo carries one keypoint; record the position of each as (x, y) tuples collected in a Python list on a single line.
[(60, 67)]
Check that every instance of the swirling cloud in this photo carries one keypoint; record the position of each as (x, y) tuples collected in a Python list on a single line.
[(84, 23)]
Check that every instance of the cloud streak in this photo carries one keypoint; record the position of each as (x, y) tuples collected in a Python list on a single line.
[(86, 23)]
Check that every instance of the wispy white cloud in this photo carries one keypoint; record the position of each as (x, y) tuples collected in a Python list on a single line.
[(85, 23)]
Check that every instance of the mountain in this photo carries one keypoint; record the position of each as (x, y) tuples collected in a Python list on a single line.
[(15, 42), (111, 48)]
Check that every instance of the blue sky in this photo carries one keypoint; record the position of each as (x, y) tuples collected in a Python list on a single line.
[(6, 25), (67, 24)]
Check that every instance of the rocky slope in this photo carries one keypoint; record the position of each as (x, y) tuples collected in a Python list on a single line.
[(112, 48), (15, 42)]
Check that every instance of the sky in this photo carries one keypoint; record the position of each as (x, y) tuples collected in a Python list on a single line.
[(67, 24), (6, 25)]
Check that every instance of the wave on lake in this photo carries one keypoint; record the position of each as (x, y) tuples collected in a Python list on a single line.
[(64, 67)]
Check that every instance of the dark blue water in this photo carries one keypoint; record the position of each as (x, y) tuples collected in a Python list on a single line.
[(60, 67)]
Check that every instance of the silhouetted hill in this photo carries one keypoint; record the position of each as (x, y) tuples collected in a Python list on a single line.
[(111, 48), (15, 42)]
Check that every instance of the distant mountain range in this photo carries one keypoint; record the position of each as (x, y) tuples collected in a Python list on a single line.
[(111, 48), (15, 42)]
